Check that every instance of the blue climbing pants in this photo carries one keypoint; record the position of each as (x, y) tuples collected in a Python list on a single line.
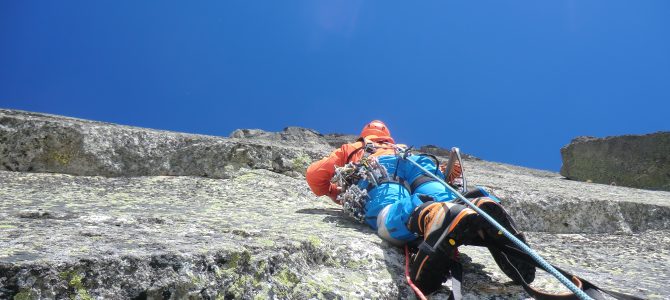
[(391, 203)]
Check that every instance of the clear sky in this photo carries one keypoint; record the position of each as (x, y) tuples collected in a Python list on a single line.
[(508, 81)]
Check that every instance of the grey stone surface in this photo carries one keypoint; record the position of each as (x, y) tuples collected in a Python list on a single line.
[(31, 142), (254, 231), (444, 152), (336, 140), (641, 161), (297, 136), (258, 234), (292, 136), (544, 201)]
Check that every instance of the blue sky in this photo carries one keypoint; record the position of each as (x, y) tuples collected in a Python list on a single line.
[(508, 81)]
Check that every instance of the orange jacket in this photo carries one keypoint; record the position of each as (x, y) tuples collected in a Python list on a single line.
[(319, 173)]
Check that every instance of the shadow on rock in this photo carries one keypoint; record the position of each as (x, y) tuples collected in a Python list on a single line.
[(337, 216), (477, 281)]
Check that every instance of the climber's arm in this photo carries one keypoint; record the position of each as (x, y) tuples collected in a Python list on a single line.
[(319, 173)]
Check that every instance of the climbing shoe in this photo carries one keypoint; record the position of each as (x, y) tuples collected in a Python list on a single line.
[(514, 268), (443, 226)]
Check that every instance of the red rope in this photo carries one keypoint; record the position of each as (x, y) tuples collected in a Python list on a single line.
[(417, 291)]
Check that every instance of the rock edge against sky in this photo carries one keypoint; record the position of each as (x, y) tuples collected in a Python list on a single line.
[(97, 210)]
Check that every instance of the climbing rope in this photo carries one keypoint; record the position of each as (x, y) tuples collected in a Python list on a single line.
[(417, 291), (403, 154)]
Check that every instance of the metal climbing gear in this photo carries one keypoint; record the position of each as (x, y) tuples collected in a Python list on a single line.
[(352, 197), (458, 182), (353, 202)]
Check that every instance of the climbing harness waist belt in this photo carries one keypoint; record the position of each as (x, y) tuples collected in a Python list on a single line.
[(419, 181), (400, 181)]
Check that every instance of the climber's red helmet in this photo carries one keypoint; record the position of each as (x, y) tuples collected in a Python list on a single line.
[(376, 128)]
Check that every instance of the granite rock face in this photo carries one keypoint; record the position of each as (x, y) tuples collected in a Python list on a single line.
[(257, 232), (257, 235), (544, 201), (291, 136), (641, 161), (437, 151), (31, 142), (336, 140)]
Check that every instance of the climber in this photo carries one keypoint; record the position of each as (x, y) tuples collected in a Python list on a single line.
[(403, 206)]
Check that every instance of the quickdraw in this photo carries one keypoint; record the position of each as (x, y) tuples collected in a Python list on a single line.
[(353, 202), (352, 197)]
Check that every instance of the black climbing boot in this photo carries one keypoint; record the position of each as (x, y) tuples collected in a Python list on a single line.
[(443, 226), (493, 235)]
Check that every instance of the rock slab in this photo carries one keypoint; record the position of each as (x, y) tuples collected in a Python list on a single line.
[(235, 219), (640, 161), (257, 235), (32, 142)]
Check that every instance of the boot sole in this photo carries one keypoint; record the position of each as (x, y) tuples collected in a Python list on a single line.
[(508, 265)]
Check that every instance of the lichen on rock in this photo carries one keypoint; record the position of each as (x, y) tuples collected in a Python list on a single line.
[(640, 161), (134, 213)]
